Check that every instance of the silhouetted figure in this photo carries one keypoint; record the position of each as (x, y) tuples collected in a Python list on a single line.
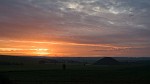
[(64, 66)]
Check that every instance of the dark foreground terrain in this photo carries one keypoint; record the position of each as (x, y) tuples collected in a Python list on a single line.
[(18, 73)]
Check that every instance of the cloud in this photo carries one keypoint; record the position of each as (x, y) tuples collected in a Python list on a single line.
[(117, 22), (125, 51)]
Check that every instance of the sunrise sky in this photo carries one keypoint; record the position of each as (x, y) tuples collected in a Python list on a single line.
[(75, 27)]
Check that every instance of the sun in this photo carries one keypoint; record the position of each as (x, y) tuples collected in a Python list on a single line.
[(42, 51)]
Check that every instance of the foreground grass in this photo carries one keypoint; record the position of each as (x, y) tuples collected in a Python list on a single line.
[(77, 74)]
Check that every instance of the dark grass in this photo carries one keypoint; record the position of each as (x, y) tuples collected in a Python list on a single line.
[(77, 74), (30, 72)]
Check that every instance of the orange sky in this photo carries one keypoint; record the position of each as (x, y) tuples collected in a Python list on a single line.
[(75, 27), (37, 48)]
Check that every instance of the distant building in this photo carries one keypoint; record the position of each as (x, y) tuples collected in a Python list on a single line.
[(107, 61)]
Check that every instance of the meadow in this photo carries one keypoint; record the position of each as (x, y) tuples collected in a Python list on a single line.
[(76, 74)]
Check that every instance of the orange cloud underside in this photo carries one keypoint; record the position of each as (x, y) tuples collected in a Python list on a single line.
[(37, 48)]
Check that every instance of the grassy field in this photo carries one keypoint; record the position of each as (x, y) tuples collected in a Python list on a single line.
[(27, 70), (76, 74)]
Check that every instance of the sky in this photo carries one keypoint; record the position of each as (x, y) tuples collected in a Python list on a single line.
[(75, 27)]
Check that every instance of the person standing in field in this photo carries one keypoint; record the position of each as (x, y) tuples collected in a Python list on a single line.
[(64, 66)]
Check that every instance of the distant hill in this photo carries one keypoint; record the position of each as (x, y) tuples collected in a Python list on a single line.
[(48, 61), (20, 60), (107, 61)]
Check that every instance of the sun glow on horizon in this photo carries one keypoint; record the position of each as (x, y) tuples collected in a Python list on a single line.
[(42, 51), (24, 52)]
